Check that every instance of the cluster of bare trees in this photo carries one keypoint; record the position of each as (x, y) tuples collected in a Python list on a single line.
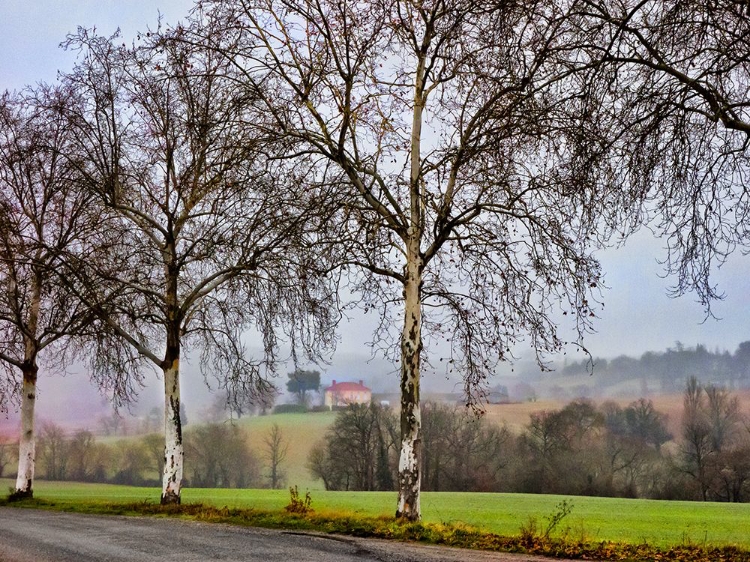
[(585, 450), (715, 444), (143, 215), (80, 457), (221, 457), (453, 163), (359, 450), (580, 449), (615, 451)]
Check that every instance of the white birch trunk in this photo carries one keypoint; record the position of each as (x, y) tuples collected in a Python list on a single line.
[(26, 446), (173, 449), (409, 464), (29, 368), (409, 469)]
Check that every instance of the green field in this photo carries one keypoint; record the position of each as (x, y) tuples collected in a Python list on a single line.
[(658, 523)]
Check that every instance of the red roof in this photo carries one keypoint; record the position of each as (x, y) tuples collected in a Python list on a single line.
[(347, 387)]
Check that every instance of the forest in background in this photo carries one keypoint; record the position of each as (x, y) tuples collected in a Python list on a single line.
[(656, 371)]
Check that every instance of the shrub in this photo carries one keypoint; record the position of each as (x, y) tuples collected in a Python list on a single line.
[(290, 409), (297, 504)]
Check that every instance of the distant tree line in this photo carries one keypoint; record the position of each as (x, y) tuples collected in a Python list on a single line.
[(220, 457), (673, 367), (580, 449)]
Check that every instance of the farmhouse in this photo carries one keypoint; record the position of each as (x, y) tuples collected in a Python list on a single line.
[(345, 393)]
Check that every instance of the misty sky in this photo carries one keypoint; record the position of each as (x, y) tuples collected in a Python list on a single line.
[(638, 314)]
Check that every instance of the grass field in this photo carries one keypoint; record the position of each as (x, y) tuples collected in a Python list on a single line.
[(300, 432), (658, 523)]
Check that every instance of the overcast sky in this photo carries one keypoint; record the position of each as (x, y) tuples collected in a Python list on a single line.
[(638, 314)]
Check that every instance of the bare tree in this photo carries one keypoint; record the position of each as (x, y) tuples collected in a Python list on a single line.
[(276, 452), (676, 75), (54, 453), (466, 173), (202, 238), (723, 411), (354, 454), (222, 458), (41, 214), (698, 451), (713, 441), (6, 456), (320, 466)]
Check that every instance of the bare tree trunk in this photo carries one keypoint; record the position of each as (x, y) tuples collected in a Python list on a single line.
[(277, 452), (30, 370), (409, 464), (173, 449), (411, 419), (26, 447)]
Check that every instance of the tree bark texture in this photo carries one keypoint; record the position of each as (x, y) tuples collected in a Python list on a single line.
[(409, 465), (173, 448), (411, 420), (26, 447), (30, 370)]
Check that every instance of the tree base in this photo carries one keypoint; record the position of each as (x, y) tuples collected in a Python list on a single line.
[(170, 498), (19, 495), (409, 516)]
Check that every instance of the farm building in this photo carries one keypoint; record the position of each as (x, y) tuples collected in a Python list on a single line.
[(345, 393)]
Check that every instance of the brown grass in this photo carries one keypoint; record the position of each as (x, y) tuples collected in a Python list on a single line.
[(516, 416)]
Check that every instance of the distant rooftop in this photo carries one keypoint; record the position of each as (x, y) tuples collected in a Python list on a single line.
[(347, 386)]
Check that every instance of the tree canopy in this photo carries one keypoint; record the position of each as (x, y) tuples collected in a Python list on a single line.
[(201, 234), (301, 382), (464, 163)]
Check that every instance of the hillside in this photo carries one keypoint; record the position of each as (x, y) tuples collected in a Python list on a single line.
[(303, 431)]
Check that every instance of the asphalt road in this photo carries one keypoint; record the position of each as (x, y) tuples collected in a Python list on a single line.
[(44, 536)]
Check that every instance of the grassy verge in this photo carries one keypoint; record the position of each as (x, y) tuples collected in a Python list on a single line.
[(598, 528)]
